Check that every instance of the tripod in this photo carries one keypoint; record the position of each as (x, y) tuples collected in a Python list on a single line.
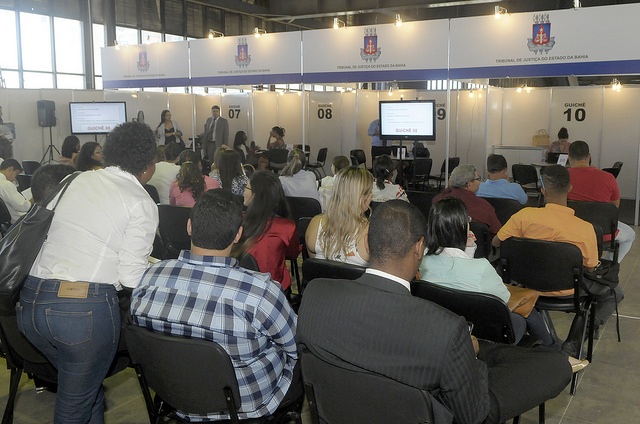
[(50, 149)]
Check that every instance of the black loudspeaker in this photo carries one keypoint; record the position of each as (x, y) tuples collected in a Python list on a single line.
[(46, 113)]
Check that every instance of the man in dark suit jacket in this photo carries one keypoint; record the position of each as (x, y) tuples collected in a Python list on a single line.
[(216, 132), (374, 323)]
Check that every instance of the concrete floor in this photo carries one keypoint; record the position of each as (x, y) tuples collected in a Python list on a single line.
[(607, 393)]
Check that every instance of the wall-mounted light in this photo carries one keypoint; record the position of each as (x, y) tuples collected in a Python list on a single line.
[(471, 93), (213, 34), (524, 87), (117, 46), (500, 11), (615, 85), (398, 20), (577, 4), (338, 23), (259, 32)]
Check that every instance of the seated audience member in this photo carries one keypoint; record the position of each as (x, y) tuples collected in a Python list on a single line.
[(590, 184), (557, 222), (189, 185), (326, 184), (498, 185), (375, 324), (277, 134), (240, 145), (384, 189), (6, 148), (46, 178), (16, 203), (166, 170), (90, 157), (297, 181), (243, 311), (69, 150), (463, 184), (561, 145), (269, 233), (215, 167), (230, 174), (449, 262), (340, 234)]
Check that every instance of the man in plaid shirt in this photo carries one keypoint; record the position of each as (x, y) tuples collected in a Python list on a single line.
[(205, 294)]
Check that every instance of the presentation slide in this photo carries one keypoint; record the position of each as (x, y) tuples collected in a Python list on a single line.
[(407, 120), (96, 118)]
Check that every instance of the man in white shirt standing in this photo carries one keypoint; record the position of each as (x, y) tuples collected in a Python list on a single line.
[(16, 203), (166, 171)]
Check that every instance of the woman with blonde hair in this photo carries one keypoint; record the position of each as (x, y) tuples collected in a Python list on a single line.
[(340, 234), (297, 181)]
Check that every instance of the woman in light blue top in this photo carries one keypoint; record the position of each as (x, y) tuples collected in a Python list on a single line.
[(449, 262)]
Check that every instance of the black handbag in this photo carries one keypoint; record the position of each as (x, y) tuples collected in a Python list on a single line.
[(21, 245)]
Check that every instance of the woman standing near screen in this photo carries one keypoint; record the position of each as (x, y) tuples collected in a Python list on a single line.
[(168, 131)]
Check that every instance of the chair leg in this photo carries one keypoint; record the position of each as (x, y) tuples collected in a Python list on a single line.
[(516, 420), (592, 324), (547, 320), (541, 413), (16, 375)]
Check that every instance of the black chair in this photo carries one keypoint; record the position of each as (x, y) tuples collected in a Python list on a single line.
[(319, 163), (153, 192), (173, 229), (5, 218), (420, 171), (340, 393), (422, 200), (193, 376), (277, 158), (527, 177), (615, 169), (603, 215), (24, 181), (30, 166), (381, 150), (313, 268), (453, 163), (483, 239), (302, 209), (491, 318), (247, 261), (550, 266), (360, 157), (504, 207)]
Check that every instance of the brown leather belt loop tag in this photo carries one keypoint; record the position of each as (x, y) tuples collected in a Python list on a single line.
[(73, 289)]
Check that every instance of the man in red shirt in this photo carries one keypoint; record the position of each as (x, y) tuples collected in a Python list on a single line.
[(463, 184), (591, 184)]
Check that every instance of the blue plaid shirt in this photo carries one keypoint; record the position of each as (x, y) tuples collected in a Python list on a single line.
[(246, 312)]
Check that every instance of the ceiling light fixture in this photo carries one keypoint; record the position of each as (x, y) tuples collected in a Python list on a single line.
[(398, 20), (338, 23), (499, 11), (213, 34), (259, 32), (117, 46), (615, 85)]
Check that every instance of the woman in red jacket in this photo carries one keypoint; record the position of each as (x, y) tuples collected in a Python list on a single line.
[(268, 233)]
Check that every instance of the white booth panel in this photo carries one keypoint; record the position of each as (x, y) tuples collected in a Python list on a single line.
[(325, 111), (620, 135), (203, 110), (349, 125), (437, 148), (367, 106), (470, 134), (579, 110), (235, 109), (87, 95), (523, 114), (290, 117), (131, 99), (265, 116), (181, 111), (494, 117)]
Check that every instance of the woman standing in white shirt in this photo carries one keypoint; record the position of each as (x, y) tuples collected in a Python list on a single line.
[(99, 241)]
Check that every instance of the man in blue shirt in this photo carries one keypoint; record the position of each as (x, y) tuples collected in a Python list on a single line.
[(205, 294), (498, 185)]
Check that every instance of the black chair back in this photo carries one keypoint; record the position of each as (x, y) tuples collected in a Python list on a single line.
[(313, 268), (505, 208), (453, 163), (615, 169), (483, 239), (420, 170), (422, 200), (339, 393), (30, 166), (153, 192), (5, 218), (277, 158), (603, 214), (24, 181), (173, 228), (491, 318), (194, 376), (524, 174), (322, 156), (303, 207), (247, 261)]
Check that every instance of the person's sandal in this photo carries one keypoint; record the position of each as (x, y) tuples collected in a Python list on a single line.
[(577, 364)]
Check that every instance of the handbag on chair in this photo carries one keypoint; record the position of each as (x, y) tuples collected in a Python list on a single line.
[(21, 245)]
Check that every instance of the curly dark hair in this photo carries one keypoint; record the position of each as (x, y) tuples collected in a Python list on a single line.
[(190, 178), (131, 147), (85, 159)]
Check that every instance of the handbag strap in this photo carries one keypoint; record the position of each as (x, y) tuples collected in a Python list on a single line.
[(60, 189)]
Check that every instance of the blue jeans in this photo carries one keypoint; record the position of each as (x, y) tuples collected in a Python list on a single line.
[(79, 336)]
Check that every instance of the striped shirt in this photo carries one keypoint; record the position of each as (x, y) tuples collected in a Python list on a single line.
[(246, 312)]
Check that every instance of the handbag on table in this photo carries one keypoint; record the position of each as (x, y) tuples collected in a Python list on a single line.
[(540, 138)]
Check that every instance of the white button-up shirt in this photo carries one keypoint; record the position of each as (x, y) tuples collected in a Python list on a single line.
[(16, 203), (102, 231)]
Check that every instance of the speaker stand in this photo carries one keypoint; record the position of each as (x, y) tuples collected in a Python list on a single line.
[(50, 149)]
